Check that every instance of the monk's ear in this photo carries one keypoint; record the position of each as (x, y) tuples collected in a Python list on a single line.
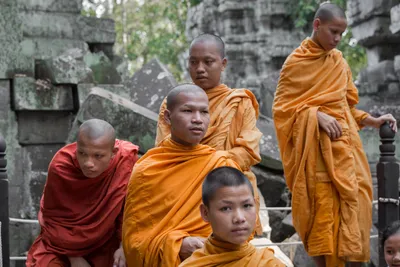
[(167, 117), (316, 24), (224, 63), (114, 151), (204, 212)]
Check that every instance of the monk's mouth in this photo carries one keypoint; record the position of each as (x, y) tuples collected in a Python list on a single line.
[(196, 130)]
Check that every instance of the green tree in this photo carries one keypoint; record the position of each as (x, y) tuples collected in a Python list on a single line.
[(303, 13)]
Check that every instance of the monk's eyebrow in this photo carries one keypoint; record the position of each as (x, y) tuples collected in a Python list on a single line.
[(246, 200), (227, 201)]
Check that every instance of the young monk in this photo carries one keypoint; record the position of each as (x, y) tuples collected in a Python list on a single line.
[(82, 204), (391, 244), (325, 165), (233, 112), (229, 206), (162, 225)]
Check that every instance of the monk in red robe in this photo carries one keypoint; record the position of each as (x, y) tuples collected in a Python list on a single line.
[(82, 204)]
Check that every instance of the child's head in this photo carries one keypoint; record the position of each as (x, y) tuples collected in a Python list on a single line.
[(391, 244), (207, 60), (187, 114), (328, 26), (228, 205)]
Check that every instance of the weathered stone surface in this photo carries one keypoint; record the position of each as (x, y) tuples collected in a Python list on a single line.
[(43, 48), (73, 6), (36, 185), (131, 121), (297, 253), (287, 225), (374, 31), (362, 10), (395, 19), (43, 127), (275, 221), (397, 66), (50, 25), (84, 90), (31, 94), (41, 155), (103, 70), (381, 73), (122, 66), (97, 30), (150, 85), (381, 52), (374, 247), (272, 185), (68, 68), (269, 150)]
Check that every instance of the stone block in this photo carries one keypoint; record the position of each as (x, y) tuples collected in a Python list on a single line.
[(150, 85), (44, 48), (31, 94), (381, 52), (103, 70), (297, 253), (84, 90), (271, 185), (67, 68), (131, 121), (382, 73), (362, 10), (43, 127), (374, 31), (36, 186), (287, 225), (50, 25), (41, 155), (70, 6), (395, 19), (97, 30), (275, 221), (397, 66), (269, 150)]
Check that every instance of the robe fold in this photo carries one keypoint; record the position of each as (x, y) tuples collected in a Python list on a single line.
[(233, 117), (223, 254), (80, 216), (330, 180), (163, 200)]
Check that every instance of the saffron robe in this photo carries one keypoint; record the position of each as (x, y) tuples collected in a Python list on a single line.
[(163, 200), (330, 180), (233, 117), (80, 216), (221, 254)]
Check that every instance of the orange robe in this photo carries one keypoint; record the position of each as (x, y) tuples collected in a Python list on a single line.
[(219, 253), (163, 200), (233, 117), (80, 216), (330, 181)]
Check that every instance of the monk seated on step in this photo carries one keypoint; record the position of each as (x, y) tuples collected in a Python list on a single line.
[(162, 224), (229, 206), (82, 204)]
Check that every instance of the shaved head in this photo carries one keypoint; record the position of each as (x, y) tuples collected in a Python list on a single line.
[(327, 11), (182, 88), (95, 129), (208, 37)]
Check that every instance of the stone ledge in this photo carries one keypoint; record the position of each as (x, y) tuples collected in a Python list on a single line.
[(31, 94), (395, 19), (363, 10), (97, 30), (73, 6)]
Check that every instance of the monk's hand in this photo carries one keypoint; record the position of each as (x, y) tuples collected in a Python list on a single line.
[(189, 245), (377, 122), (78, 262), (329, 124), (119, 258)]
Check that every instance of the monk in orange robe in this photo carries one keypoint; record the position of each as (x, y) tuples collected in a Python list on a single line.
[(229, 206), (324, 162), (82, 204), (162, 223), (233, 112)]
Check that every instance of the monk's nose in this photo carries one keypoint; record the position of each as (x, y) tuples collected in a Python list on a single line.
[(197, 118), (238, 217), (200, 68), (89, 164)]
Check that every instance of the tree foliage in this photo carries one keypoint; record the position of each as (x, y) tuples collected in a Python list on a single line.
[(303, 14)]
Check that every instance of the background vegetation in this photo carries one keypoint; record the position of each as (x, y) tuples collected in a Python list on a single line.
[(149, 28)]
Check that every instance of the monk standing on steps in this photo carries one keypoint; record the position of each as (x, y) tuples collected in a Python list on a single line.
[(162, 223), (83, 199), (325, 165), (233, 112), (229, 206)]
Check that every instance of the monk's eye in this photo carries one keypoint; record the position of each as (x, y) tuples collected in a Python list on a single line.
[(99, 156), (389, 251), (81, 153), (192, 62), (248, 206), (209, 62), (187, 110), (205, 112), (224, 209)]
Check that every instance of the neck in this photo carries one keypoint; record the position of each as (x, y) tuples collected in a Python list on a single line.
[(183, 143)]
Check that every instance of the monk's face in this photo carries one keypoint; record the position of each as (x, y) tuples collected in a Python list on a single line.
[(94, 156), (328, 34), (231, 213), (189, 118), (206, 64), (392, 250)]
